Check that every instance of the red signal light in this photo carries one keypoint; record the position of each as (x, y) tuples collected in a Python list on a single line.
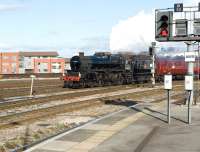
[(164, 33)]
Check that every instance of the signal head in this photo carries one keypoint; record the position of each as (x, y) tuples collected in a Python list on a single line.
[(164, 21)]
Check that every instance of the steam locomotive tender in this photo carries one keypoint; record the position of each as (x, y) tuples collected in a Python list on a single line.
[(105, 68)]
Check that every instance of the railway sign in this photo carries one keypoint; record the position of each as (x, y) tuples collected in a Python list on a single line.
[(168, 82), (190, 56), (178, 7), (189, 82)]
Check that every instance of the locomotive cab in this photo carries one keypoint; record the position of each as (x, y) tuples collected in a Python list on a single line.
[(141, 68)]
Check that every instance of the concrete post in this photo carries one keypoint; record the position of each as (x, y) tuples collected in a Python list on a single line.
[(190, 71), (168, 107), (189, 108)]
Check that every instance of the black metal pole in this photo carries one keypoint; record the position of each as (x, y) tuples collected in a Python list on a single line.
[(168, 107), (189, 108)]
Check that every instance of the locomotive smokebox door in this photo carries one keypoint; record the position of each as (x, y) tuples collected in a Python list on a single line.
[(168, 82)]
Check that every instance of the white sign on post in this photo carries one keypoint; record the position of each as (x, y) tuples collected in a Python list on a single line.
[(190, 56), (189, 83), (168, 82)]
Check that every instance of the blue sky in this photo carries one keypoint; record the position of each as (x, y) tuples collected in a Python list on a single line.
[(65, 25)]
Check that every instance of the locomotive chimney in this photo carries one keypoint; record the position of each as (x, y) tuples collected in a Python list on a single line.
[(81, 54)]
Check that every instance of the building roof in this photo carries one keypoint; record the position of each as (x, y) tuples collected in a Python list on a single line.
[(33, 54)]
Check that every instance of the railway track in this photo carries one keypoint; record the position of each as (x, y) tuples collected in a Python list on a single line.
[(15, 88), (38, 86), (18, 102), (24, 101), (83, 102), (38, 89), (20, 91), (26, 83), (22, 88), (16, 119)]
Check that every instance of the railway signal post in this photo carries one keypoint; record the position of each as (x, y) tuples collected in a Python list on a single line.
[(168, 87), (190, 58), (152, 54)]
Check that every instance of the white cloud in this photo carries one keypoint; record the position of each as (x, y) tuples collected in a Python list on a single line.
[(9, 7)]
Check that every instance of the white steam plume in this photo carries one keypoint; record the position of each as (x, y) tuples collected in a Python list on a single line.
[(134, 34)]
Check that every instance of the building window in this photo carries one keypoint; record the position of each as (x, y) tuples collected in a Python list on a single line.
[(5, 57), (21, 59), (5, 64), (21, 65), (5, 70), (13, 65), (14, 58), (54, 67)]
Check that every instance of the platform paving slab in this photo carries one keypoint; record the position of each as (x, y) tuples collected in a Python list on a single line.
[(176, 139), (78, 136), (125, 140), (96, 127), (58, 146), (140, 129)]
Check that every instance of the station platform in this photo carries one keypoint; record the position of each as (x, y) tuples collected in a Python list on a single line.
[(140, 128)]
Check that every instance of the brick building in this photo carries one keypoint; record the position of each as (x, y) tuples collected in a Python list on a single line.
[(50, 65), (31, 62), (9, 63)]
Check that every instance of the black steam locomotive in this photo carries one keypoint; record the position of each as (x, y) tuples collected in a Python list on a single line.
[(104, 69)]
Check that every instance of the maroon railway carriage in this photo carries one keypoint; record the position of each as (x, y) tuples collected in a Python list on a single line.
[(175, 66)]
